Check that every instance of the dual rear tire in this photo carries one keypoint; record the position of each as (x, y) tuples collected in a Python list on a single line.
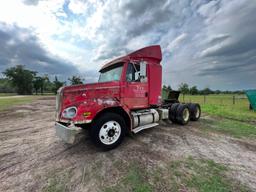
[(182, 113)]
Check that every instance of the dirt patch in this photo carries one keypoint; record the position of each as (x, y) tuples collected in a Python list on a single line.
[(32, 158)]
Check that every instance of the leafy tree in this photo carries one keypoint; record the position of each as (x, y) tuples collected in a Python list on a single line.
[(6, 86), (21, 79), (206, 91), (183, 88), (40, 83), (217, 92), (75, 80), (57, 84), (193, 90), (168, 87)]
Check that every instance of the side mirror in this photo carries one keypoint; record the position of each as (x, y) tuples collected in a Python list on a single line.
[(143, 71)]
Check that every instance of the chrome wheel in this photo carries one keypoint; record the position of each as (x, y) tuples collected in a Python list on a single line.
[(110, 132), (197, 112), (185, 114)]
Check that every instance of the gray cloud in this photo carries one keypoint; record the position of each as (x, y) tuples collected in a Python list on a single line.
[(204, 42), (235, 52), (220, 38), (131, 19), (31, 2), (21, 46)]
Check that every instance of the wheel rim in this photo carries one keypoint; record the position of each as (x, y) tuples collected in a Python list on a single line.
[(110, 132), (197, 112), (186, 115)]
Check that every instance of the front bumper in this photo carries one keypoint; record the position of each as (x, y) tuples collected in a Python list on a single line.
[(67, 134)]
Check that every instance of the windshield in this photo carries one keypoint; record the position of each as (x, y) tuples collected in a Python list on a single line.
[(111, 73)]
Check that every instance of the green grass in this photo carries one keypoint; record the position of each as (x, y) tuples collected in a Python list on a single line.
[(57, 183), (7, 94), (183, 175), (222, 106), (9, 102), (135, 180), (233, 128), (202, 176), (230, 112)]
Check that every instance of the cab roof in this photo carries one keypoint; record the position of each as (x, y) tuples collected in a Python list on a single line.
[(151, 52)]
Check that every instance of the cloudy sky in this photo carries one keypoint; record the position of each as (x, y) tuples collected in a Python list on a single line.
[(204, 43)]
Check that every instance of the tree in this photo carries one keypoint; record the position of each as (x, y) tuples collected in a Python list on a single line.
[(193, 90), (183, 88), (21, 79), (206, 91), (40, 83), (6, 86), (75, 80), (57, 84), (217, 92)]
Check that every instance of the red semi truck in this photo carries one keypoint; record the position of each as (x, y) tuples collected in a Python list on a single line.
[(126, 99)]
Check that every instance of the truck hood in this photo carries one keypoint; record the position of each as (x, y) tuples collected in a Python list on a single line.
[(76, 94), (90, 87)]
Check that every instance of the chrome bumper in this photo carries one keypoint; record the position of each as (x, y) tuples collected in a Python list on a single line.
[(67, 134)]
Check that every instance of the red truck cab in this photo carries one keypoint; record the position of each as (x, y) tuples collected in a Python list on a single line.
[(127, 98)]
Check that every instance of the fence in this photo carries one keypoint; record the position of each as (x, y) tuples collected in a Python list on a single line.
[(221, 99)]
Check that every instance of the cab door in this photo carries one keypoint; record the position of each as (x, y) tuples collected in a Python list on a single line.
[(135, 92)]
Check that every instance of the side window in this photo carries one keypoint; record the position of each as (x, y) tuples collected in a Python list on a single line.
[(133, 73)]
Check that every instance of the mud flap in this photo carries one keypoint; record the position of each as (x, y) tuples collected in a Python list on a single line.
[(67, 134)]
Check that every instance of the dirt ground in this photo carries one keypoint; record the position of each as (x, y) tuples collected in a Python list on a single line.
[(30, 153)]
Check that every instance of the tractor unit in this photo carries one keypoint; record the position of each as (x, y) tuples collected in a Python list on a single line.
[(126, 99)]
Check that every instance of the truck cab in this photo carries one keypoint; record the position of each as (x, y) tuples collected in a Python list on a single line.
[(126, 98)]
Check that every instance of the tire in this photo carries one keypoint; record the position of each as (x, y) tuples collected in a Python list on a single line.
[(182, 114), (172, 112), (195, 111), (250, 107), (108, 131)]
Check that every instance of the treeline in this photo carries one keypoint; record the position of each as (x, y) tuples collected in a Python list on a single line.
[(26, 82), (184, 88)]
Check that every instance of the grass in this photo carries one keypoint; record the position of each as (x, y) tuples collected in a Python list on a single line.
[(233, 119), (9, 102), (57, 183), (233, 128), (202, 176), (135, 180), (230, 112), (7, 94), (183, 175), (222, 106), (13, 94)]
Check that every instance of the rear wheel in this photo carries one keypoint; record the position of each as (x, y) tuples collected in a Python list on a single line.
[(195, 111), (182, 114), (172, 112), (108, 131)]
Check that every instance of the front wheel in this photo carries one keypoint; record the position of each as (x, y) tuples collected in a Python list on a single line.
[(108, 131)]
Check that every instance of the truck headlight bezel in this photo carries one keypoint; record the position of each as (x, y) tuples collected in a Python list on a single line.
[(69, 112)]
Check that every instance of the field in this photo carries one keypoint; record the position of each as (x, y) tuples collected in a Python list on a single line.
[(215, 154)]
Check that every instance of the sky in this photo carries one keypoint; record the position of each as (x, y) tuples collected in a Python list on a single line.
[(208, 43)]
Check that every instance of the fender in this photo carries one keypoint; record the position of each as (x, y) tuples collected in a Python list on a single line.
[(88, 110)]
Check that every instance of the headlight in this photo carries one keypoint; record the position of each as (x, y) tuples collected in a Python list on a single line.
[(69, 113)]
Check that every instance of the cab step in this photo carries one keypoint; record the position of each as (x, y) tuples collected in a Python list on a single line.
[(138, 129)]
